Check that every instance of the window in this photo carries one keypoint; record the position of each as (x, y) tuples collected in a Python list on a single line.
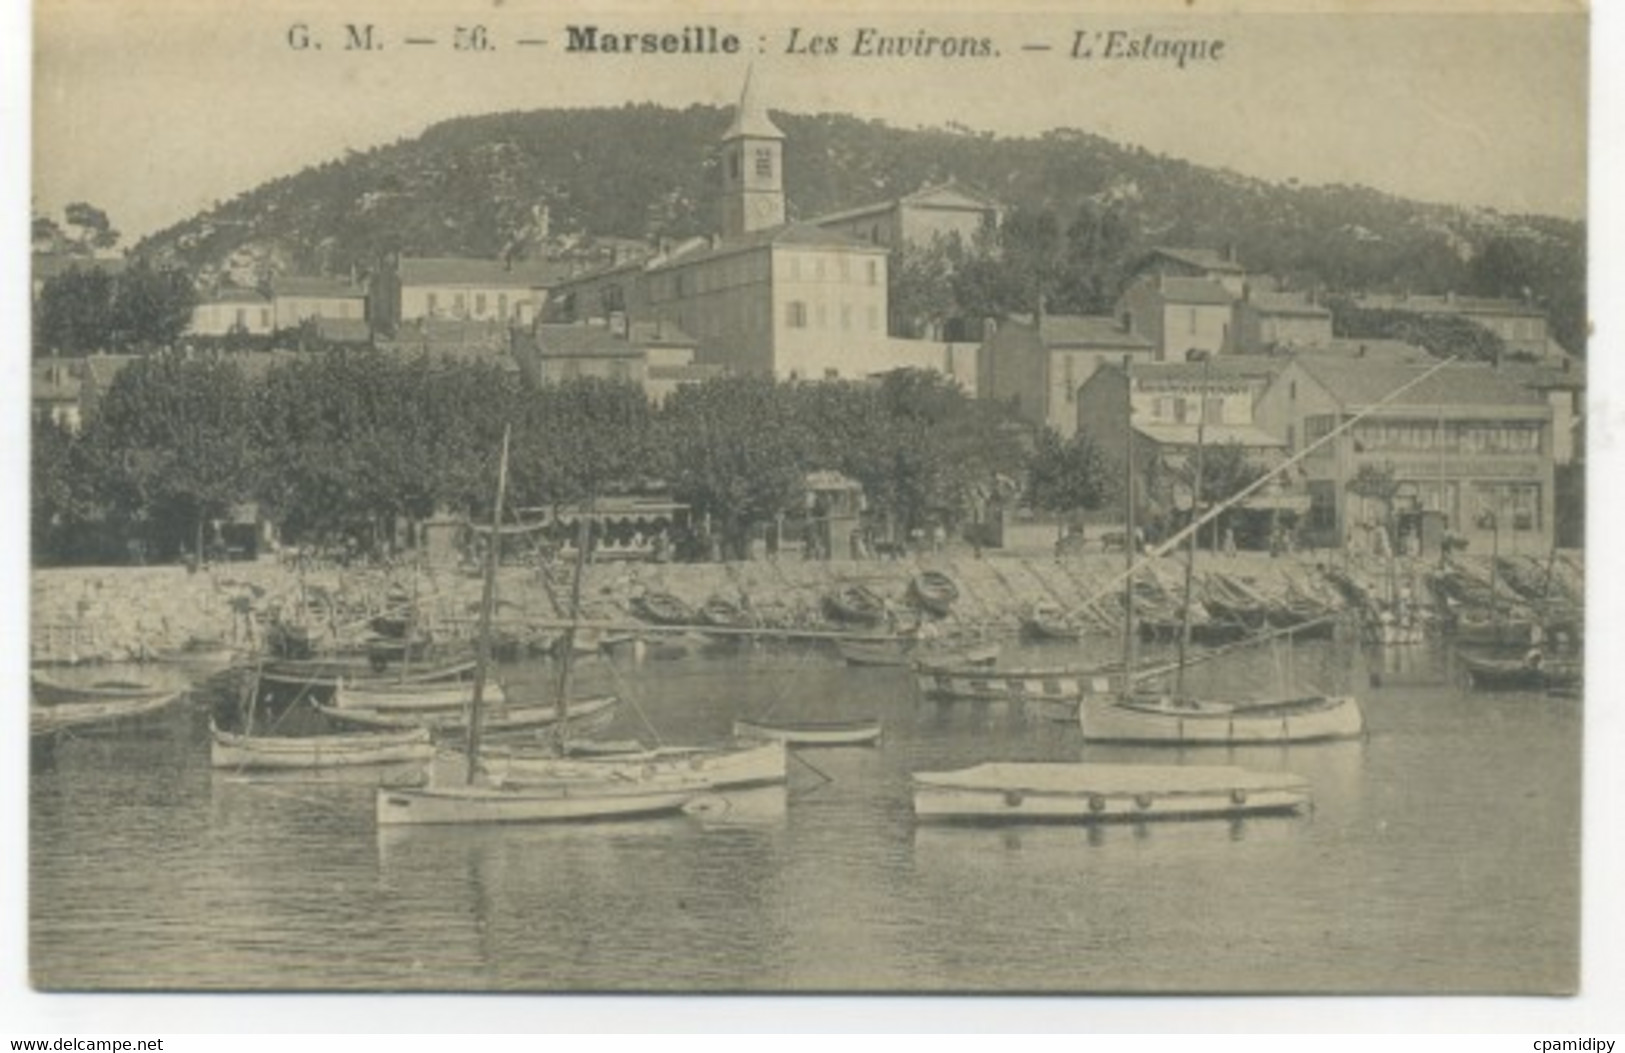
[(764, 162), (459, 305), (842, 265), (1193, 321), (795, 315), (431, 304), (242, 318), (846, 316), (821, 316), (832, 373), (734, 165), (1213, 410), (874, 273), (502, 305), (1070, 382)]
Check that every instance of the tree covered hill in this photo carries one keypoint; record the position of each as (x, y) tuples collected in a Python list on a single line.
[(548, 183)]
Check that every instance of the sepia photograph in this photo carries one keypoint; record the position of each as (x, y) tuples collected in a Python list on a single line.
[(750, 499)]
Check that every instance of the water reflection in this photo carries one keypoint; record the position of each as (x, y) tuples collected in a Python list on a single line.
[(1440, 855)]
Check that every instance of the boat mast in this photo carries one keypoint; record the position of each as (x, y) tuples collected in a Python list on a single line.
[(1196, 505), (1129, 553), (567, 659), (476, 707)]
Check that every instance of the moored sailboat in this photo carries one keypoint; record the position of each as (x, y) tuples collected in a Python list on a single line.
[(484, 797)]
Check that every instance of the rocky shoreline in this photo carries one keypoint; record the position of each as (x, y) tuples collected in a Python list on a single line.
[(116, 614)]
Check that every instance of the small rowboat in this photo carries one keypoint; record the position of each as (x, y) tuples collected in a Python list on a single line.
[(762, 763), (1046, 621), (1088, 793), (725, 614), (1520, 674), (46, 720), (906, 652), (49, 692), (812, 733), (1192, 722), (570, 801), (856, 605), (662, 608), (392, 697), (583, 713), (244, 752), (1012, 684), (934, 591), (320, 676)]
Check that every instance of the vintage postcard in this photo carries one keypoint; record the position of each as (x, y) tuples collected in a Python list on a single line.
[(986, 501)]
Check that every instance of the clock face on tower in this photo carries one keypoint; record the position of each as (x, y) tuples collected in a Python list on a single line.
[(762, 210)]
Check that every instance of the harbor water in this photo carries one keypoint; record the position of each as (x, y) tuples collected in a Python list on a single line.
[(1441, 855)]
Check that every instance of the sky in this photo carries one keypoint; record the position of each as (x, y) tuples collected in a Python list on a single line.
[(154, 109)]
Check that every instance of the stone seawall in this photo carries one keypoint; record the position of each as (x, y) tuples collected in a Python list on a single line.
[(124, 613)]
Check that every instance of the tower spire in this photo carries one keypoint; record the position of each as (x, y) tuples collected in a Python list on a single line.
[(750, 116)]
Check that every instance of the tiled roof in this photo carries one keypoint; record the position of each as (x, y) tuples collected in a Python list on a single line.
[(579, 341), (457, 270), (922, 196), (1212, 434), (343, 330), (231, 294), (1089, 330), (1357, 383), (800, 234), (1218, 368), (660, 334), (1194, 291), (1449, 304), (1265, 301), (1206, 259), (325, 288)]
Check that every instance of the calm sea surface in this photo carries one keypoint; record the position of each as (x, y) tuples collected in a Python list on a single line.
[(1442, 855)]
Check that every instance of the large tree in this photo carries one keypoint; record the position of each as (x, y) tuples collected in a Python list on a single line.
[(173, 447)]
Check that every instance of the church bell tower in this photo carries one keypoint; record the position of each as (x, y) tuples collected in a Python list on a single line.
[(752, 169)]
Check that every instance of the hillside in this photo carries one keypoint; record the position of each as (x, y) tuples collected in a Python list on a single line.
[(548, 183)]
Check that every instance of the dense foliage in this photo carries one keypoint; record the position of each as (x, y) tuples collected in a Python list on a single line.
[(339, 446), (86, 309), (548, 183)]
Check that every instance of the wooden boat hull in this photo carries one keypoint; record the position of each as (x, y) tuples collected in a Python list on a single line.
[(318, 679), (1090, 793), (1011, 685), (245, 752), (664, 609), (1311, 719), (515, 718), (1493, 674), (760, 764), (934, 592), (452, 697), (558, 803), (65, 716), (856, 605), (825, 733), (49, 692), (1044, 630)]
